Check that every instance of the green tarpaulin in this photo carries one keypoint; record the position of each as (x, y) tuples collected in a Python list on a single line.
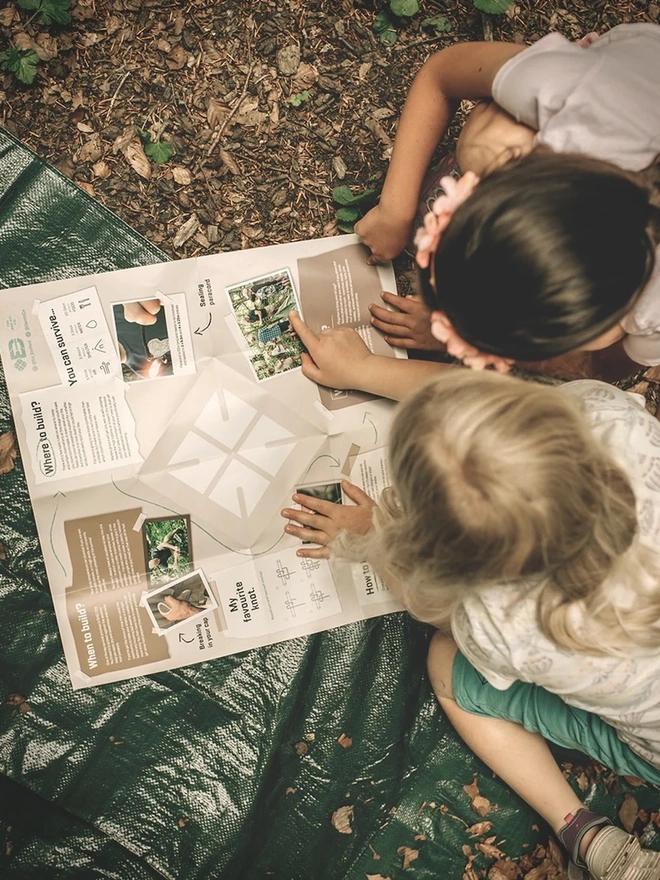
[(322, 757)]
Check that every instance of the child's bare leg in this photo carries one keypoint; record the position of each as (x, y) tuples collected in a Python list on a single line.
[(520, 758)]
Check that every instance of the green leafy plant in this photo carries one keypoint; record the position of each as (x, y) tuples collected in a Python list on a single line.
[(404, 8), (352, 205), (21, 62), (494, 7), (50, 11), (159, 151), (439, 23), (385, 22), (300, 98)]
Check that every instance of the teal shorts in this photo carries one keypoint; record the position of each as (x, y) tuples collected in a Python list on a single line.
[(541, 712)]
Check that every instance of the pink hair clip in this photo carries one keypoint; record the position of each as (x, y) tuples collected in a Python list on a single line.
[(436, 221)]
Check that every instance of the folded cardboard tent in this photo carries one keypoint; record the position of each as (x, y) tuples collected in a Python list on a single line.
[(321, 757)]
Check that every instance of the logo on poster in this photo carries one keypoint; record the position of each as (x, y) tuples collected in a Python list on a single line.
[(17, 353)]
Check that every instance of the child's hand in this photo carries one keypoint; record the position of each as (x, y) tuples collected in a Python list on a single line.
[(336, 357), (409, 327), (384, 234), (327, 519)]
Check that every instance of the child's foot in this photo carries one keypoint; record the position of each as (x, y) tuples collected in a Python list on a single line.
[(615, 855)]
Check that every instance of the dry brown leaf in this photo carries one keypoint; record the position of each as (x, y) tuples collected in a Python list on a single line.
[(409, 855), (628, 812), (122, 140), (300, 748), (341, 819), (555, 855), (88, 40), (364, 70), (345, 741), (181, 175), (491, 851), (635, 781), (101, 169), (7, 15), (479, 829), (91, 150), (482, 806), (4, 550), (113, 24), (137, 159), (582, 781), (216, 112), (472, 790), (305, 77), (229, 161), (248, 115), (7, 452), (177, 58), (183, 821), (540, 872), (377, 877), (377, 129), (89, 189), (506, 870), (45, 46), (310, 737)]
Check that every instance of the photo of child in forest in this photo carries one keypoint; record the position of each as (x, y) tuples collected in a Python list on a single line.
[(167, 548), (261, 307)]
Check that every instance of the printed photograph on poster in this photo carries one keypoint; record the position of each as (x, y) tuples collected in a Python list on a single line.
[(261, 307), (167, 548), (145, 348), (324, 491), (179, 602)]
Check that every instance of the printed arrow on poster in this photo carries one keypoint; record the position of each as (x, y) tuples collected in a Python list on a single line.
[(318, 458), (183, 639), (201, 330), (367, 416)]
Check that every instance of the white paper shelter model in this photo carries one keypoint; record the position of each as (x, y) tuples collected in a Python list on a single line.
[(231, 454)]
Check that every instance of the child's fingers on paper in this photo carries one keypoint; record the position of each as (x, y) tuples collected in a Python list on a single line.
[(309, 368), (301, 517), (305, 333), (401, 341), (407, 304), (356, 494), (381, 317), (309, 552), (319, 505), (305, 533)]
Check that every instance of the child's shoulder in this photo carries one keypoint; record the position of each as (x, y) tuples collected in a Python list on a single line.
[(600, 100)]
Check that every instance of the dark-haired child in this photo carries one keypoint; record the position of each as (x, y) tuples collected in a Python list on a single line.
[(554, 248)]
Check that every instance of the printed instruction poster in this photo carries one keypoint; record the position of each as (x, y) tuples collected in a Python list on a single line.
[(164, 422)]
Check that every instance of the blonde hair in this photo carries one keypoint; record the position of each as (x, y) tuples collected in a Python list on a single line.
[(500, 481)]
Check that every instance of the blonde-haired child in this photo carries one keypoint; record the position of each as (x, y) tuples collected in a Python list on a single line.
[(524, 522)]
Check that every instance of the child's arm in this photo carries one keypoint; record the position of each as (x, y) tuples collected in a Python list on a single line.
[(465, 70), (338, 358)]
